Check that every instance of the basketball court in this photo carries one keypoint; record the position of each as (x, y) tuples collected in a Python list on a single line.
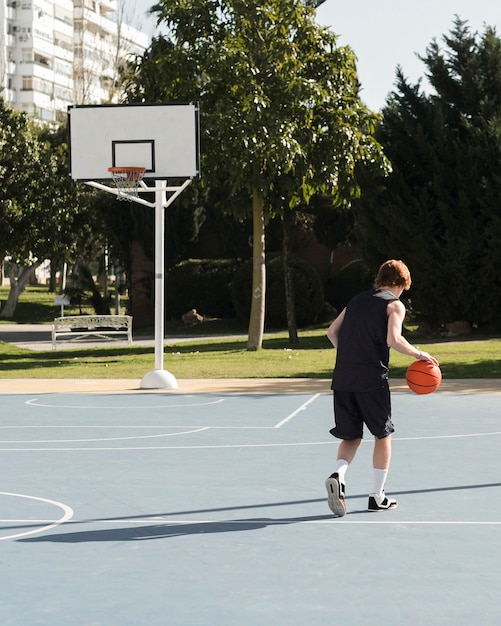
[(191, 508)]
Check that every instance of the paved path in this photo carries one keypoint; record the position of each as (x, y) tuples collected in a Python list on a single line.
[(227, 385), (38, 337)]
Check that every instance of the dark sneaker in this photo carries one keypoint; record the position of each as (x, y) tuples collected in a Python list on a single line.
[(381, 503), (335, 494)]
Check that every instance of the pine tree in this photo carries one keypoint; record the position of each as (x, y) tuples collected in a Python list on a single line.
[(440, 208)]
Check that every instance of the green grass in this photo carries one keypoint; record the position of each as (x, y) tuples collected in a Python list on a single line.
[(36, 306), (219, 357), (228, 358)]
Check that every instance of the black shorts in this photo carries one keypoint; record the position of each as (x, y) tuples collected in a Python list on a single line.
[(353, 409)]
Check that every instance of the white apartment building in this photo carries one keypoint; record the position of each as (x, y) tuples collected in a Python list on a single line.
[(56, 53)]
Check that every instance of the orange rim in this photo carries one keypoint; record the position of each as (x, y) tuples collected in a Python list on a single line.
[(133, 173)]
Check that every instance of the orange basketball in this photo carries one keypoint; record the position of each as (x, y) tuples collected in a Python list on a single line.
[(423, 377)]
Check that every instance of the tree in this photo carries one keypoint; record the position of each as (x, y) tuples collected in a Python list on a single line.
[(439, 210), (19, 160), (39, 217), (281, 113)]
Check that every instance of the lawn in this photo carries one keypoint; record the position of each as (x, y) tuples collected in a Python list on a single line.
[(228, 358), (208, 354)]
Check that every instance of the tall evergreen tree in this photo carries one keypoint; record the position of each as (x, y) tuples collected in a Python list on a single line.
[(440, 208)]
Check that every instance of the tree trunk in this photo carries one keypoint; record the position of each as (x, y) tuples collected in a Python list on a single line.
[(17, 286), (54, 263), (141, 288), (257, 314), (289, 286)]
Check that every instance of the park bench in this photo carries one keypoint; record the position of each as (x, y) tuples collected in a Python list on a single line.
[(81, 327)]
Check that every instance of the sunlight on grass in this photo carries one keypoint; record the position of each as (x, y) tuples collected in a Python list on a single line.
[(228, 358), (219, 357)]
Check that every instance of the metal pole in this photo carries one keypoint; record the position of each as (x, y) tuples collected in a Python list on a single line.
[(159, 378), (159, 276)]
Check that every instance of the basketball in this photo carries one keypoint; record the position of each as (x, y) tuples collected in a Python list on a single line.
[(423, 377)]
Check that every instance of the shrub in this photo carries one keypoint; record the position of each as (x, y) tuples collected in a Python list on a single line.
[(308, 292), (201, 284), (350, 280)]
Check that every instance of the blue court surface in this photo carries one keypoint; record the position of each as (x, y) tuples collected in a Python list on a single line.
[(210, 509)]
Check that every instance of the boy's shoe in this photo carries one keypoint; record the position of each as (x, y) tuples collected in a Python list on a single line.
[(381, 503), (335, 495)]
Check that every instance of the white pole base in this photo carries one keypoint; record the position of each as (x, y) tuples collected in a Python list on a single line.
[(159, 379)]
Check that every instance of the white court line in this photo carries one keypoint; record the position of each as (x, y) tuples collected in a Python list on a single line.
[(68, 514), (186, 432), (497, 432), (26, 521), (231, 446), (145, 448), (414, 522), (294, 413), (270, 522), (194, 429), (36, 402), (106, 426)]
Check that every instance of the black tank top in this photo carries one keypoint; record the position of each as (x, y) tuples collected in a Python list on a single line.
[(362, 352)]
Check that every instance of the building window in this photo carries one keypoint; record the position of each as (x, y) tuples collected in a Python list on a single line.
[(27, 55), (42, 60)]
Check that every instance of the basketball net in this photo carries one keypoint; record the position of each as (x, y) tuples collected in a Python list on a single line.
[(127, 180)]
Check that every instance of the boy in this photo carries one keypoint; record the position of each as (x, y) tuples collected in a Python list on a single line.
[(363, 334)]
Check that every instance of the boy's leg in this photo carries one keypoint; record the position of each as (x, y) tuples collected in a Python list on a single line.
[(382, 453), (378, 501), (335, 484)]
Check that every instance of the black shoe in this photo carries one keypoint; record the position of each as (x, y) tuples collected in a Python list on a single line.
[(335, 494), (381, 503)]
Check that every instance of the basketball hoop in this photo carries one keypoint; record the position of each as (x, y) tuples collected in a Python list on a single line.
[(127, 180)]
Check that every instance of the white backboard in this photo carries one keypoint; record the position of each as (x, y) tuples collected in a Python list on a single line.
[(163, 138)]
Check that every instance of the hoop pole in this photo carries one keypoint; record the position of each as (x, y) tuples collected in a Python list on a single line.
[(160, 198), (177, 192), (159, 378)]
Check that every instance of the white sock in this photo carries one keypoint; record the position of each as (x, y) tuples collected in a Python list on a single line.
[(379, 481), (341, 468)]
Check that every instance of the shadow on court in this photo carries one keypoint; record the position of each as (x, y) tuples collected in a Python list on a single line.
[(165, 531), (168, 530)]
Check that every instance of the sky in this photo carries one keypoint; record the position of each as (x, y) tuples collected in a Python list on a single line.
[(388, 33)]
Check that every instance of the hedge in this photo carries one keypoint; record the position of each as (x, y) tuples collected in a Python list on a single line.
[(308, 292)]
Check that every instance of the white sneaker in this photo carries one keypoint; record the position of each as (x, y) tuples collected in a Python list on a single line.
[(381, 503), (335, 495)]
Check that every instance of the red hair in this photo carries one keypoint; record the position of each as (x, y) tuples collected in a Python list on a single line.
[(394, 274)]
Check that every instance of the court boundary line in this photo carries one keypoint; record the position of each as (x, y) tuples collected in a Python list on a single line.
[(159, 436), (298, 410), (266, 521), (34, 402), (285, 420), (235, 445), (67, 510)]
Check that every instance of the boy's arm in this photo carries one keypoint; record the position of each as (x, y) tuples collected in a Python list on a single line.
[(395, 339), (334, 328)]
